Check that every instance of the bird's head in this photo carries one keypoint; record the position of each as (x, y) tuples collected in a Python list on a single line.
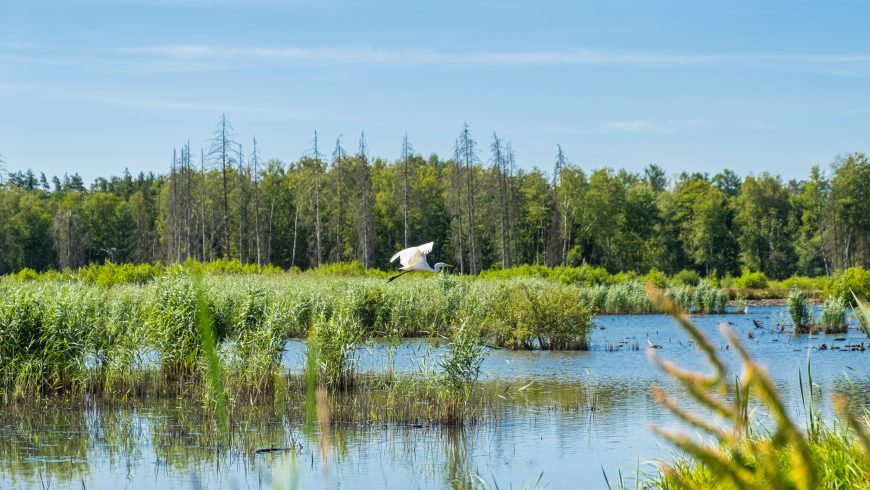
[(440, 266)]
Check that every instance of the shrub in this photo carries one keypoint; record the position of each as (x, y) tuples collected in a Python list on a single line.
[(852, 280), (797, 308), (539, 317), (26, 274), (834, 315), (656, 277), (751, 280), (687, 278)]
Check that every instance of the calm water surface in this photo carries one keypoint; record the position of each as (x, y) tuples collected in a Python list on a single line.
[(583, 412)]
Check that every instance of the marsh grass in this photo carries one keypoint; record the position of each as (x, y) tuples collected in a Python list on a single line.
[(800, 314), (833, 315), (64, 336)]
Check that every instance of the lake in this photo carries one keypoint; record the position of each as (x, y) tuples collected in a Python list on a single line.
[(566, 418)]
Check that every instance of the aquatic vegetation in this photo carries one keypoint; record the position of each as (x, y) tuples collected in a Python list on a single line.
[(537, 316), (460, 369), (833, 317), (746, 455), (703, 299), (332, 343), (63, 336), (800, 314)]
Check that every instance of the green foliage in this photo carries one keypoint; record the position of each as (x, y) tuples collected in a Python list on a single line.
[(348, 269), (751, 280), (460, 366), (687, 278), (852, 280), (173, 327), (110, 274), (604, 222), (800, 314), (333, 342), (834, 315), (537, 316), (655, 277)]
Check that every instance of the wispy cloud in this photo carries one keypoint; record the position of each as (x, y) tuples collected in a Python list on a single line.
[(368, 55), (756, 125), (156, 103), (198, 57), (638, 125), (507, 58), (664, 126)]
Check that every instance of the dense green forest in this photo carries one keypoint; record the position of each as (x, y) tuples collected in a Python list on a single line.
[(483, 211)]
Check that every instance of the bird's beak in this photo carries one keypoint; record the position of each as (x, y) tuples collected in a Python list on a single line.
[(449, 266)]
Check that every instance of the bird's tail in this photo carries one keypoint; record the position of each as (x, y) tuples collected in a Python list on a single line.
[(396, 276)]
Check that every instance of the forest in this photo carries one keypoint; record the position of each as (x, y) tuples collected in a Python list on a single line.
[(338, 203)]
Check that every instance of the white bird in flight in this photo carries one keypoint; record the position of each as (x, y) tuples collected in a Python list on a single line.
[(413, 259)]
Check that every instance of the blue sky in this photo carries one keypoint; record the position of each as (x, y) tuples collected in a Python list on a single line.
[(94, 86)]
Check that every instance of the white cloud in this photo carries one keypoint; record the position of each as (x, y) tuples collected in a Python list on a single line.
[(508, 58), (639, 126), (199, 57)]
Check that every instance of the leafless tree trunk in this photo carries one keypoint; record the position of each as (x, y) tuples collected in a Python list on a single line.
[(499, 163), (221, 145), (456, 205), (255, 157), (69, 239), (406, 157), (242, 210), (510, 160), (204, 252), (338, 157), (364, 218), (466, 152), (318, 174)]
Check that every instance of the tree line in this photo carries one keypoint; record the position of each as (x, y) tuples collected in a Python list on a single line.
[(338, 203)]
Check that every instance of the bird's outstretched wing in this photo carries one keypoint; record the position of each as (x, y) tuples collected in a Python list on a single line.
[(426, 248), (412, 256)]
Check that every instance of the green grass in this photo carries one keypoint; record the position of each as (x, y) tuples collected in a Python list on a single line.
[(750, 284)]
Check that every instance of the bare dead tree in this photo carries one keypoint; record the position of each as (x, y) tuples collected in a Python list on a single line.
[(364, 217), (465, 151), (338, 160), (511, 198), (456, 204), (499, 162), (255, 160), (557, 237), (318, 175), (69, 239), (204, 252), (242, 205), (407, 152), (221, 145), (172, 211), (187, 200)]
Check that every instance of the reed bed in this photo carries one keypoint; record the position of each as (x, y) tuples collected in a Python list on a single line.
[(68, 336)]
